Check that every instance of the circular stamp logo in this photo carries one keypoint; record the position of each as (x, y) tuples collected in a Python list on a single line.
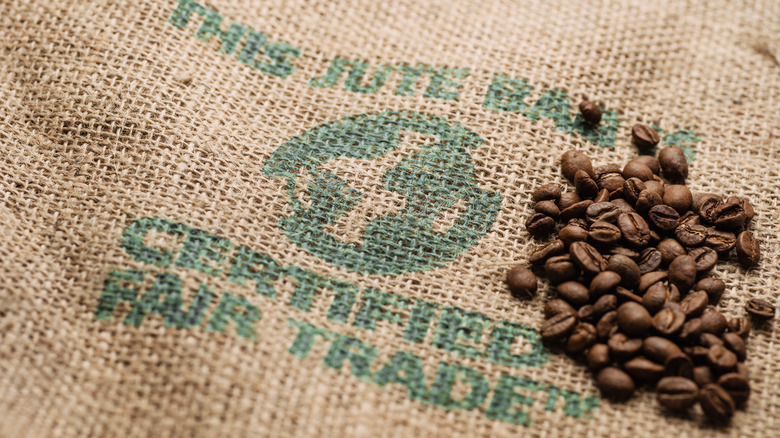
[(385, 193)]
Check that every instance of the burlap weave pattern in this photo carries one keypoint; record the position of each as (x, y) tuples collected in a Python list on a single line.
[(110, 113)]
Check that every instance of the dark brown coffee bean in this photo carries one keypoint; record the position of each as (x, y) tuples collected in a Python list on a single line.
[(567, 200), (679, 365), (576, 211), (587, 257), (677, 393), (615, 383), (632, 187), (747, 207), (622, 348), (554, 248), (604, 282), (587, 313), (601, 196), (697, 352), (635, 231), (558, 327), (637, 169), (713, 322), (651, 162), (574, 293), (678, 197), (760, 309), (657, 187), (633, 319), (705, 259), (640, 368), (660, 349), (739, 326), (690, 218), (591, 112), (605, 303), (626, 268), (598, 357), (670, 249), (691, 235), (547, 192), (748, 249), (556, 306), (663, 217), (694, 304), (691, 331), (581, 338), (625, 295), (658, 295), (604, 233), (572, 233), (669, 320), (737, 386), (647, 199), (720, 241), (609, 177), (649, 279), (548, 208), (649, 260), (521, 282), (682, 272), (630, 253), (602, 212), (736, 344), (539, 225), (716, 403), (644, 136), (673, 164), (623, 206), (607, 325), (585, 186), (704, 205), (728, 215), (708, 340), (713, 286), (560, 268), (572, 161), (721, 359), (702, 375)]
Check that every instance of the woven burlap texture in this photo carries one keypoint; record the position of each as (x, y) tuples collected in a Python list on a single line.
[(109, 113)]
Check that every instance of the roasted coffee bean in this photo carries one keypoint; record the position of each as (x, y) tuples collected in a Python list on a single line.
[(704, 206), (604, 282), (605, 303), (678, 197), (609, 177), (601, 196), (673, 164), (615, 383), (747, 207), (560, 268), (602, 212), (622, 348), (630, 253), (625, 295), (658, 295), (583, 336), (691, 331), (637, 169), (677, 393), (586, 313), (634, 228), (633, 319), (694, 304), (623, 206), (572, 161), (679, 365), (607, 325), (721, 358), (713, 286), (587, 257), (556, 306), (748, 249), (575, 211), (737, 386), (540, 224), (632, 187), (604, 233), (656, 186), (690, 218), (670, 249), (521, 282), (716, 403), (660, 349), (736, 344), (574, 293), (585, 186), (547, 192), (568, 199), (649, 260), (640, 368), (598, 357), (552, 249), (573, 233), (682, 272), (626, 268), (669, 320), (644, 136), (739, 326), (708, 340), (705, 259), (651, 162), (591, 112), (728, 215), (691, 235), (558, 327), (702, 375), (720, 241), (698, 353), (647, 200), (760, 309), (713, 322), (547, 207)]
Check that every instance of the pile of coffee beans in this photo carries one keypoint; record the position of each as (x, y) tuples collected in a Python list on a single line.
[(630, 264)]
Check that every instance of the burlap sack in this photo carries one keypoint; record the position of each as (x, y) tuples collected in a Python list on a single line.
[(293, 218)]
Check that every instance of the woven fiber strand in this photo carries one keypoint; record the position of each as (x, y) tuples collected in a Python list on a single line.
[(112, 115)]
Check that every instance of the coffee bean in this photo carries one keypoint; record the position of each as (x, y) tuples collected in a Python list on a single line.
[(678, 197), (567, 200), (633, 319), (591, 112), (607, 325), (637, 169), (660, 349), (615, 383), (694, 304), (656, 186), (721, 359), (602, 212), (632, 187), (622, 348), (713, 322), (552, 249), (622, 205), (747, 207), (677, 393), (649, 260), (626, 268), (704, 205), (647, 200), (736, 344), (604, 233), (560, 268), (713, 286), (630, 253), (587, 257), (521, 282), (640, 368), (556, 306), (539, 225), (691, 235), (625, 295), (748, 249), (604, 282), (558, 327), (669, 320), (716, 403), (739, 326), (670, 249), (598, 357), (658, 295), (651, 162), (609, 177), (705, 259), (586, 313), (720, 241), (572, 161), (601, 196), (583, 336), (673, 164), (679, 365), (572, 233), (548, 208), (728, 215), (737, 386), (634, 228), (605, 303), (547, 192), (698, 353), (575, 211), (690, 218), (682, 272), (691, 331), (760, 309), (644, 136), (585, 186), (702, 375), (708, 340), (649, 279), (574, 293)]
